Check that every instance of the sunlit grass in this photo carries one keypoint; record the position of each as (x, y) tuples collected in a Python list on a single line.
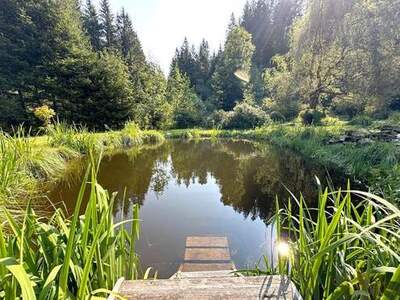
[(344, 249)]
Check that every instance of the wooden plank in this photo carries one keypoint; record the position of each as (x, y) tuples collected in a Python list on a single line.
[(207, 241), (270, 287), (205, 274), (116, 288), (198, 267), (207, 254)]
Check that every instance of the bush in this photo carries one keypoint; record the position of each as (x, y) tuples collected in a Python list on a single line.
[(348, 106), (218, 119), (311, 116), (244, 116), (362, 120), (331, 121), (44, 114), (277, 117), (280, 111)]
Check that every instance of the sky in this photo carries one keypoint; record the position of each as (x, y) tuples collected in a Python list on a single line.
[(163, 24)]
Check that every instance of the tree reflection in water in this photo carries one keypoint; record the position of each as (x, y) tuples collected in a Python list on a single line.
[(187, 188)]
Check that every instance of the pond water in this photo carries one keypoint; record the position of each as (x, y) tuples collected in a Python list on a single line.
[(189, 188)]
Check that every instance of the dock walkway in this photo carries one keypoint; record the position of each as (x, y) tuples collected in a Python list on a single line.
[(207, 273)]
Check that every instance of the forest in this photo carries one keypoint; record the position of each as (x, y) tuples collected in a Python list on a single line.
[(281, 60)]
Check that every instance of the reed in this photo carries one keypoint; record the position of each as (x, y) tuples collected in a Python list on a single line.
[(78, 258), (341, 250)]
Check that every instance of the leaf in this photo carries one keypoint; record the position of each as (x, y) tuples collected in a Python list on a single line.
[(22, 277), (343, 291), (49, 281), (392, 292)]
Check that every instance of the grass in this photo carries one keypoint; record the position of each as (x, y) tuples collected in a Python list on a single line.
[(341, 250), (55, 257), (27, 162)]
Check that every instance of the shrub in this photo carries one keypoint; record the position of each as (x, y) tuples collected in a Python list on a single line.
[(362, 120), (217, 119), (311, 116), (348, 106), (281, 111), (44, 114), (277, 117), (331, 121), (245, 116)]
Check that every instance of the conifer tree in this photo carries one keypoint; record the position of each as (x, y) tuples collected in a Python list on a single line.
[(107, 25), (92, 25), (86, 88), (237, 56), (185, 104), (26, 29), (128, 41)]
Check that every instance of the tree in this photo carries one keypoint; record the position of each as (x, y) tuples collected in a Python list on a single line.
[(92, 25), (151, 109), (237, 55), (185, 60), (107, 25), (185, 104), (269, 22), (128, 41), (25, 48)]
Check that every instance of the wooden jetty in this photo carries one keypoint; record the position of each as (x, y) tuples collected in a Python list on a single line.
[(207, 273), (207, 253)]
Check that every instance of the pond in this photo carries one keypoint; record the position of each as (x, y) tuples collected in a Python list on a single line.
[(189, 188)]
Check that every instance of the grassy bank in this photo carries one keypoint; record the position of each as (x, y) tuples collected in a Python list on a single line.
[(27, 162), (377, 164)]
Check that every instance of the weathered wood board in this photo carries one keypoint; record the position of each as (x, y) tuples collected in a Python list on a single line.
[(270, 287), (206, 253)]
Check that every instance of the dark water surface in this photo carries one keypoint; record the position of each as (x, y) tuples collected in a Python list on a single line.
[(186, 188)]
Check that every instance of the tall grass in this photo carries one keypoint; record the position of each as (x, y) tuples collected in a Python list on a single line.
[(341, 250), (48, 258)]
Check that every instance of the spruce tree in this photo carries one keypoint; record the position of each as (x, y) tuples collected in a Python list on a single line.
[(203, 84), (107, 25), (128, 41), (237, 56), (186, 106), (87, 88), (92, 25), (26, 29)]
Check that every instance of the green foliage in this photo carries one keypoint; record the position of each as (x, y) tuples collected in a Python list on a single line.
[(283, 95), (310, 116), (349, 106), (187, 107), (74, 259), (343, 248), (92, 25), (362, 120), (236, 56), (151, 109), (243, 116), (269, 23)]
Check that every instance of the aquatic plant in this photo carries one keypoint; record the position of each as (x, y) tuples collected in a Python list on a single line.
[(78, 258), (345, 249), (73, 137)]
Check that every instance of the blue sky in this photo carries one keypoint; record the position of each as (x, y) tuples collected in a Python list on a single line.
[(163, 24)]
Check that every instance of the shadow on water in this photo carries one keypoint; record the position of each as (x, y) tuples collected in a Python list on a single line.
[(185, 188)]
